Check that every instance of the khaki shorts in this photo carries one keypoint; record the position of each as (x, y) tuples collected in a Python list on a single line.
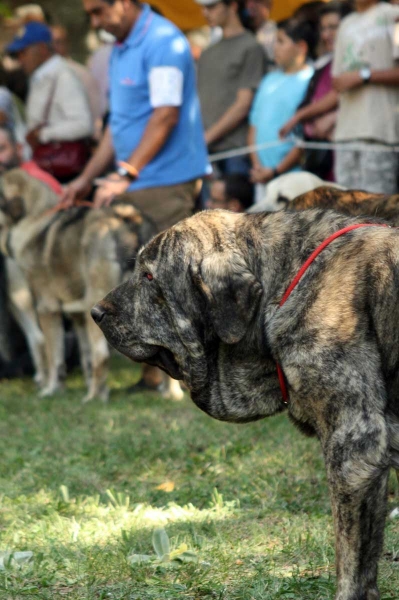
[(164, 205)]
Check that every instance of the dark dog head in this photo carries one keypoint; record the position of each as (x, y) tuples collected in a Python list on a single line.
[(192, 309)]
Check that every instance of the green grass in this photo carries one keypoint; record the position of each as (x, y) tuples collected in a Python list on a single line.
[(79, 488)]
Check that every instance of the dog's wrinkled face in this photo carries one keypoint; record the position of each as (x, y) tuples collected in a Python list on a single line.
[(190, 309)]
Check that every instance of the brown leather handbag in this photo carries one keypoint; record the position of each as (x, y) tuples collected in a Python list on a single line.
[(63, 159)]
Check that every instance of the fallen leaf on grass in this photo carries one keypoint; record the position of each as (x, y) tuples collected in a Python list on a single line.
[(168, 486)]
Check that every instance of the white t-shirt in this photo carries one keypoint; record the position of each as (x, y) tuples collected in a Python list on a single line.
[(367, 39), (57, 101)]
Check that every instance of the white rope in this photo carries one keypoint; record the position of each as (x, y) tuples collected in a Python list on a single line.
[(342, 146)]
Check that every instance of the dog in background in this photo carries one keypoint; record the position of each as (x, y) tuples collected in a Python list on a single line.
[(64, 260), (281, 190), (350, 202), (17, 295)]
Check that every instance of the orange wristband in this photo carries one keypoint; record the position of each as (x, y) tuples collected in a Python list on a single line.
[(129, 168)]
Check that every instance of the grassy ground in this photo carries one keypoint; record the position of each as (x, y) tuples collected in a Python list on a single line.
[(84, 488)]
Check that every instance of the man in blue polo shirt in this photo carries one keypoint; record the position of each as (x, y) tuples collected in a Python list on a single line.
[(155, 131)]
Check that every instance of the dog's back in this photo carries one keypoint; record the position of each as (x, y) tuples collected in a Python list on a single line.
[(350, 202)]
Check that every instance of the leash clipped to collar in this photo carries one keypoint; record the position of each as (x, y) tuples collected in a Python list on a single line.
[(298, 277), (62, 206)]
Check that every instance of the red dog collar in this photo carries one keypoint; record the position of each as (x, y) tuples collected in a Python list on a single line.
[(298, 277)]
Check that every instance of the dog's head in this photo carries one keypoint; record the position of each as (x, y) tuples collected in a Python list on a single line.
[(192, 309), (22, 195)]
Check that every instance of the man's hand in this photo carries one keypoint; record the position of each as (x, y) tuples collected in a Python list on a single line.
[(33, 137), (347, 81), (78, 188), (112, 186), (288, 127), (261, 174)]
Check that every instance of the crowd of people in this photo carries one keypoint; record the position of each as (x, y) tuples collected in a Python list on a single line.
[(150, 122), (327, 74)]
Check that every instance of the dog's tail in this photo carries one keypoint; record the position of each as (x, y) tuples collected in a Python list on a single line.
[(5, 320)]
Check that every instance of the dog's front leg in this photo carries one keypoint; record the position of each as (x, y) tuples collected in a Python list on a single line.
[(358, 465), (53, 331), (23, 310), (99, 353)]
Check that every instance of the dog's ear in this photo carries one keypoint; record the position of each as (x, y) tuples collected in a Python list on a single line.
[(231, 291), (15, 208)]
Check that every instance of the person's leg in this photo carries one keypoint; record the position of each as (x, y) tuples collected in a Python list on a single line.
[(237, 164), (379, 171), (347, 169)]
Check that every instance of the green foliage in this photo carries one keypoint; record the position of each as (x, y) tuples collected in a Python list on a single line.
[(163, 553), (148, 499), (5, 10)]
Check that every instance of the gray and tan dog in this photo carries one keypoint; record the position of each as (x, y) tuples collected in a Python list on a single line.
[(203, 304), (66, 260)]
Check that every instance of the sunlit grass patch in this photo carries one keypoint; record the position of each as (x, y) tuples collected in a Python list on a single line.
[(84, 488)]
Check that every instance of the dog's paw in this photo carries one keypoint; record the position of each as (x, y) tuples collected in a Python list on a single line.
[(394, 514), (102, 395), (171, 390), (176, 397), (39, 380), (50, 391)]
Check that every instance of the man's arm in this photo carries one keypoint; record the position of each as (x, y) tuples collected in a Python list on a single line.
[(352, 79), (266, 174), (290, 161), (159, 127), (255, 162), (100, 160), (326, 104), (234, 115)]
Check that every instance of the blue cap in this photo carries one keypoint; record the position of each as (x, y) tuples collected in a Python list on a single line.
[(32, 33)]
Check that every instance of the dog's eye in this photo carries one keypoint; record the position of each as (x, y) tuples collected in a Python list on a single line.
[(148, 276)]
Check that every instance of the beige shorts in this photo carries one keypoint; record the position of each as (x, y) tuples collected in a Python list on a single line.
[(164, 205)]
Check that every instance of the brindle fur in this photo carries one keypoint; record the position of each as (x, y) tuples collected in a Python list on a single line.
[(351, 202), (210, 316)]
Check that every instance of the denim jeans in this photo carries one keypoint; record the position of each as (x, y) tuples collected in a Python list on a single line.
[(236, 164)]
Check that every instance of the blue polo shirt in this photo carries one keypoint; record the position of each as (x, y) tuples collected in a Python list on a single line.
[(155, 42)]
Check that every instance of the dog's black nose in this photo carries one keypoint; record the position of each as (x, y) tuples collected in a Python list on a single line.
[(98, 312)]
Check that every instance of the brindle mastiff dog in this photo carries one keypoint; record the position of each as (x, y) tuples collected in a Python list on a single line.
[(203, 304)]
